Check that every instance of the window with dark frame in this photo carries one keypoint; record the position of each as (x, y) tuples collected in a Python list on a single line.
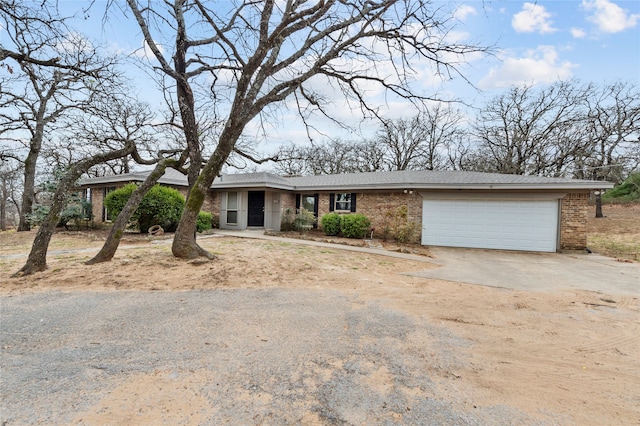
[(232, 208), (342, 202)]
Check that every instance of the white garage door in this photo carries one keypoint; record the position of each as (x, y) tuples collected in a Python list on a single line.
[(497, 224)]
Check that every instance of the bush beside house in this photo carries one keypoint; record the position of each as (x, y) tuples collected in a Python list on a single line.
[(354, 225), (331, 224), (160, 206), (204, 222)]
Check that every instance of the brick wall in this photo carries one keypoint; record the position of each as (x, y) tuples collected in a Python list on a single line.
[(573, 221), (375, 206), (287, 201), (97, 201)]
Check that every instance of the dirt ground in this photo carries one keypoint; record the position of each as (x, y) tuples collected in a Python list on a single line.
[(617, 234), (575, 354)]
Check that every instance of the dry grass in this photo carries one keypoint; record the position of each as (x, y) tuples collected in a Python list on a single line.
[(618, 233)]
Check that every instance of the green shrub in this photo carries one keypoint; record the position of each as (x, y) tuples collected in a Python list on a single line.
[(354, 225), (304, 220), (629, 190), (116, 200), (160, 206), (76, 210), (331, 224), (204, 221), (38, 214)]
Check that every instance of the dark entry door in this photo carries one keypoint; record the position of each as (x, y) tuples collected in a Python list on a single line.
[(256, 208)]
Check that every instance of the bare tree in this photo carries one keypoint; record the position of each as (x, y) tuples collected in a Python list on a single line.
[(333, 156), (36, 92), (517, 131), (260, 54), (116, 233), (611, 132), (564, 129), (371, 156), (37, 260), (113, 130), (292, 161), (403, 140), (9, 173), (421, 142)]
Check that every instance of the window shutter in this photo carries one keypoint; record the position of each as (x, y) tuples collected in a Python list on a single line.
[(332, 201), (316, 200), (353, 202), (297, 202)]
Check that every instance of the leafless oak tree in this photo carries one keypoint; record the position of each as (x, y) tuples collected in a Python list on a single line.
[(567, 129), (114, 130), (421, 142), (260, 54), (49, 70)]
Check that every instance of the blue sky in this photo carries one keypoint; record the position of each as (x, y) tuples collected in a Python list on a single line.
[(546, 41), (533, 43)]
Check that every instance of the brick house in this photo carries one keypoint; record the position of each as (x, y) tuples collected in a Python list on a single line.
[(448, 208)]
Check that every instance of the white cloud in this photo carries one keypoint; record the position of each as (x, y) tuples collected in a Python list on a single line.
[(609, 17), (540, 65), (464, 11), (146, 52), (533, 18), (578, 33), (74, 42)]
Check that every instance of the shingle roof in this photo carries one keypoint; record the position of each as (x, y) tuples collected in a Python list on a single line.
[(428, 179), (170, 177), (406, 179), (256, 180)]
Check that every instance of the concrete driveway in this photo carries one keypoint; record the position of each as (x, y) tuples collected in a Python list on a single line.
[(535, 271)]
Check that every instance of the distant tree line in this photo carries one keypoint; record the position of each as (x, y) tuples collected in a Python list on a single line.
[(567, 129)]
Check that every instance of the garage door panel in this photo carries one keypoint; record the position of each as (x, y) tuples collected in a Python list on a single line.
[(501, 224)]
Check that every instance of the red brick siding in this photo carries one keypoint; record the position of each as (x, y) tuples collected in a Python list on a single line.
[(287, 201), (573, 221), (375, 205)]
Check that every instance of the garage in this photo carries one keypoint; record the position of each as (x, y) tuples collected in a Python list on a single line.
[(524, 224)]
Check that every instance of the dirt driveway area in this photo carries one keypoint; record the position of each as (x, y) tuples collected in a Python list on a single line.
[(275, 332)]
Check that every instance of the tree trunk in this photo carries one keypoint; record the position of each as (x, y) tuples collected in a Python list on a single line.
[(599, 204), (184, 241), (28, 190), (110, 246), (3, 205), (37, 260)]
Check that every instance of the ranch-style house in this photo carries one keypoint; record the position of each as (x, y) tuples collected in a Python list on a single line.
[(449, 208)]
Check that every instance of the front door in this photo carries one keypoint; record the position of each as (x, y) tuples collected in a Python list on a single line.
[(256, 209)]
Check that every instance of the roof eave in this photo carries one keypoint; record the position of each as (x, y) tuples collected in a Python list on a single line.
[(586, 186), (246, 185)]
